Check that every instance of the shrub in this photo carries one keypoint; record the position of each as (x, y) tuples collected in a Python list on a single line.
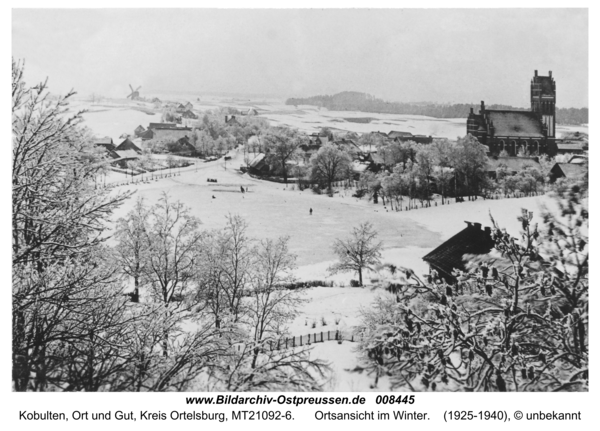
[(354, 283), (359, 193)]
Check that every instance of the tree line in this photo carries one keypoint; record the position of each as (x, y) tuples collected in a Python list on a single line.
[(356, 101)]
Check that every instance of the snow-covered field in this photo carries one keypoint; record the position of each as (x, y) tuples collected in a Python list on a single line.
[(114, 117), (274, 210)]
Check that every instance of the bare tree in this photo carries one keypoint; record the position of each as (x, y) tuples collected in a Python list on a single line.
[(357, 253), (258, 364), (58, 218), (282, 145), (132, 247), (328, 164)]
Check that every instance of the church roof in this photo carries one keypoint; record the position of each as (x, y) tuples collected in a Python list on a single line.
[(515, 123)]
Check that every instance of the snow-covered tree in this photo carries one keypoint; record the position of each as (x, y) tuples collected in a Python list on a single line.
[(358, 252)]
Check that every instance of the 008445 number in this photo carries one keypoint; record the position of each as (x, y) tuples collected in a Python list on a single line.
[(395, 399)]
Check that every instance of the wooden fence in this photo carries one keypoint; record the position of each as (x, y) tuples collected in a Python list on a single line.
[(308, 339)]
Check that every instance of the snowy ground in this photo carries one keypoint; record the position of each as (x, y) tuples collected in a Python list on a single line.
[(274, 210), (114, 117)]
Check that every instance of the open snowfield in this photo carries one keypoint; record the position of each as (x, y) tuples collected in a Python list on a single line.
[(114, 117), (274, 210)]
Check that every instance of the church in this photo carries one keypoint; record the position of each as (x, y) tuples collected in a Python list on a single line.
[(517, 132)]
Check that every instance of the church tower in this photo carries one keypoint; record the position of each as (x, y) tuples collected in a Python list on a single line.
[(543, 101)]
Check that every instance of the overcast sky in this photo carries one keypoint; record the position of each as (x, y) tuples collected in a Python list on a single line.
[(399, 55)]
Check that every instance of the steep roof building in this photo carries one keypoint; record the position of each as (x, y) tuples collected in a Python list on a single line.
[(520, 131)]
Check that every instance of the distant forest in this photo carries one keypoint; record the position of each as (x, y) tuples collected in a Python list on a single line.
[(355, 101)]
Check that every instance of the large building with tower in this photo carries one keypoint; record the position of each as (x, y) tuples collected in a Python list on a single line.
[(521, 132)]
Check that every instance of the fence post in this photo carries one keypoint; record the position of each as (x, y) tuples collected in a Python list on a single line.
[(321, 336), (328, 337), (293, 341), (300, 339), (286, 340)]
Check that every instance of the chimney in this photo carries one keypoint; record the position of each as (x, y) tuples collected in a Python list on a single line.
[(469, 224), (535, 73), (488, 230), (482, 106), (477, 226), (550, 74), (471, 110)]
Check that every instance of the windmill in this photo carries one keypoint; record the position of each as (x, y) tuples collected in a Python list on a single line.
[(135, 94)]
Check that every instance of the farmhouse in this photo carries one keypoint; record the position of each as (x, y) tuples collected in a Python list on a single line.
[(513, 164), (570, 171), (127, 144), (161, 125), (139, 130), (579, 159), (259, 166), (231, 120), (407, 136), (449, 256), (121, 157), (569, 147), (189, 114), (183, 146), (106, 143), (172, 133)]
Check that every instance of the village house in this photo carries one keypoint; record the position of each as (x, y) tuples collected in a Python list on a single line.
[(259, 166), (139, 130), (513, 165), (569, 147), (173, 133), (184, 147), (128, 144), (106, 143), (121, 157), (578, 159), (407, 136), (449, 255), (189, 115), (570, 171), (231, 120)]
